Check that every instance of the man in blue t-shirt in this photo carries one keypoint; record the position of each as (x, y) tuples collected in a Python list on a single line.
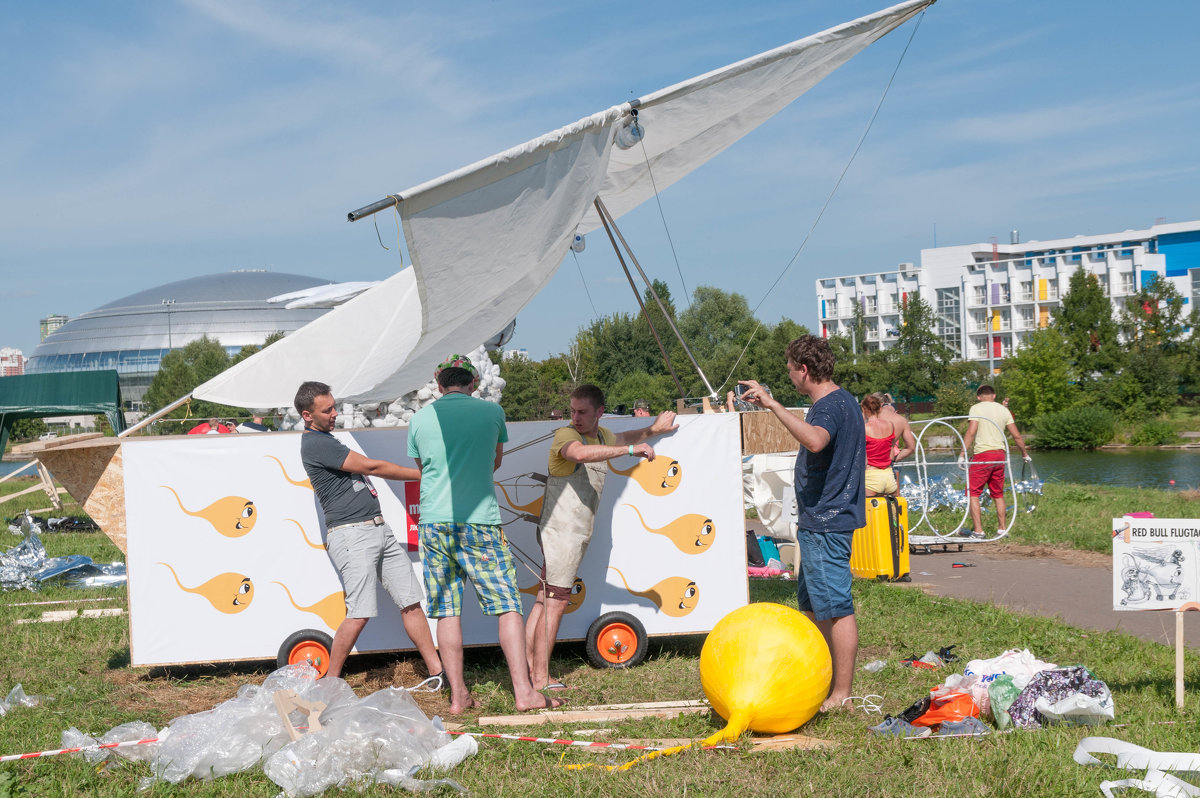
[(359, 543), (458, 442), (830, 498)]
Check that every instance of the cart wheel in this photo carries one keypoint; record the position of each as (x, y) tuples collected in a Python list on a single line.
[(307, 645), (616, 640)]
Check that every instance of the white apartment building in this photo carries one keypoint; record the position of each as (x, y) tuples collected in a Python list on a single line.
[(988, 298)]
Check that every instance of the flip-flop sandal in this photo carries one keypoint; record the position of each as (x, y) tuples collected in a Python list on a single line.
[(556, 686)]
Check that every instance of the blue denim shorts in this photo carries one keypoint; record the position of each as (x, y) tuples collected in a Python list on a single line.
[(823, 584)]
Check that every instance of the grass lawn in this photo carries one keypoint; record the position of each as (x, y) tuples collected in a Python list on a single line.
[(83, 664)]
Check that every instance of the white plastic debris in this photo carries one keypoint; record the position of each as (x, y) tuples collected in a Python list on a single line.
[(384, 737)]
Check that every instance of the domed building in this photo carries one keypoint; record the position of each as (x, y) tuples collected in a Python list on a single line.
[(132, 334)]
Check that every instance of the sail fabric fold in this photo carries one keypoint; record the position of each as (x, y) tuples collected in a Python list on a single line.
[(485, 239)]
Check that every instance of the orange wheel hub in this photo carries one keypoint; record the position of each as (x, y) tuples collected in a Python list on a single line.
[(313, 653), (618, 642)]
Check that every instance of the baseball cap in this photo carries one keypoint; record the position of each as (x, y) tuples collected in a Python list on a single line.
[(456, 361)]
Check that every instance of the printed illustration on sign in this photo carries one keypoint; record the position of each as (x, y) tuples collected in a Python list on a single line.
[(331, 609), (658, 477), (304, 534), (1152, 572), (229, 592), (675, 596), (232, 516), (691, 534), (574, 601), (300, 483), (533, 508)]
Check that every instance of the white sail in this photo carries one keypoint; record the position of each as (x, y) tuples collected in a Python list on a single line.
[(484, 240)]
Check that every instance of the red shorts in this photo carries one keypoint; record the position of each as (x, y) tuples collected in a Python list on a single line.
[(987, 468)]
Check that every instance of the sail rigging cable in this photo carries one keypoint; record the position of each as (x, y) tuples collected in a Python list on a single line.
[(862, 138)]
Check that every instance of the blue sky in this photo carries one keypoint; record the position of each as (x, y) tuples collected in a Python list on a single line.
[(146, 142)]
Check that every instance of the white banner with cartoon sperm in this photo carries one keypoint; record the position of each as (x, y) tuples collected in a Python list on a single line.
[(1156, 563), (226, 560)]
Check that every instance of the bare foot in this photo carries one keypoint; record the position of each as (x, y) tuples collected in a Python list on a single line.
[(541, 702), (457, 708), (835, 703)]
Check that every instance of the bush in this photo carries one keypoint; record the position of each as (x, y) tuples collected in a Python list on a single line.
[(1075, 428), (1153, 433), (953, 400)]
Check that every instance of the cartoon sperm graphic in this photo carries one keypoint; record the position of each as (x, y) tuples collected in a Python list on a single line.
[(331, 609), (534, 508), (658, 477), (304, 534), (232, 516), (300, 483), (675, 595), (691, 534), (229, 593), (574, 601)]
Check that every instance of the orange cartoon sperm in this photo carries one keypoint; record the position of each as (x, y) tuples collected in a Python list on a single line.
[(300, 483), (676, 595), (304, 534), (331, 609), (691, 534), (533, 508), (232, 516), (229, 592), (658, 477), (574, 601)]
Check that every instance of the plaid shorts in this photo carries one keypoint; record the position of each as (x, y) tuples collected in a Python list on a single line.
[(449, 551)]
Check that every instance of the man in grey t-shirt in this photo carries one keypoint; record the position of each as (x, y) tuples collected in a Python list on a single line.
[(362, 547)]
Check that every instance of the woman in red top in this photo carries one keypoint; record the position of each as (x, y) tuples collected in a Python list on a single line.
[(881, 438)]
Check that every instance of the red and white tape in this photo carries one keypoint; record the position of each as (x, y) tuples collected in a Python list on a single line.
[(13, 757)]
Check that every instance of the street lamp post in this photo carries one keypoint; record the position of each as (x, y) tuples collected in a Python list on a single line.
[(169, 303)]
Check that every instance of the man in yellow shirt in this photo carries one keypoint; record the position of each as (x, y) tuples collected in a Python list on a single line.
[(984, 444), (578, 464)]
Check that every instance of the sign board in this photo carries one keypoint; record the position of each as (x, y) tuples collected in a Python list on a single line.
[(1156, 563), (226, 556)]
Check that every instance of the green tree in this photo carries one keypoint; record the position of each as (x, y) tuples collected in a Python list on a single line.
[(918, 361), (717, 328), (1153, 318), (181, 371), (27, 429), (657, 389), (1036, 377), (766, 360), (1084, 319)]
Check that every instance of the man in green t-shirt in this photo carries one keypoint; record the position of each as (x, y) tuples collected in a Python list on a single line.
[(984, 446), (458, 442), (578, 464)]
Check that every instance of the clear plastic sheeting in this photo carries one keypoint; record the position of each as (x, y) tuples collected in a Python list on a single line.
[(17, 698), (383, 738)]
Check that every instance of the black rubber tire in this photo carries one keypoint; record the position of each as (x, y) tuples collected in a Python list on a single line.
[(302, 637), (610, 657)]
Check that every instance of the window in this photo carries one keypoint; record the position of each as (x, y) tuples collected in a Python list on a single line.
[(979, 295), (871, 306), (1102, 278), (1195, 286), (1005, 295), (831, 308), (1052, 288), (947, 303), (1126, 283), (1025, 318), (1026, 291)]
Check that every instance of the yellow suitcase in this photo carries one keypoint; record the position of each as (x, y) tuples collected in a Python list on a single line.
[(880, 549)]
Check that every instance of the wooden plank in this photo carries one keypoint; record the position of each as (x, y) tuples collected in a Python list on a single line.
[(589, 715), (93, 474), (788, 742), (762, 433)]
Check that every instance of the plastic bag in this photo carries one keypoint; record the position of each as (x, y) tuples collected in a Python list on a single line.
[(1016, 662), (1052, 687), (1077, 709), (971, 684), (1001, 694), (950, 705)]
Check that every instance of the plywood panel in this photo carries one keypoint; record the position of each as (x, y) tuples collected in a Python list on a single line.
[(92, 473), (763, 433)]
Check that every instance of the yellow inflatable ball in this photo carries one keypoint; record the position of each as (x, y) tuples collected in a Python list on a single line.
[(764, 667)]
